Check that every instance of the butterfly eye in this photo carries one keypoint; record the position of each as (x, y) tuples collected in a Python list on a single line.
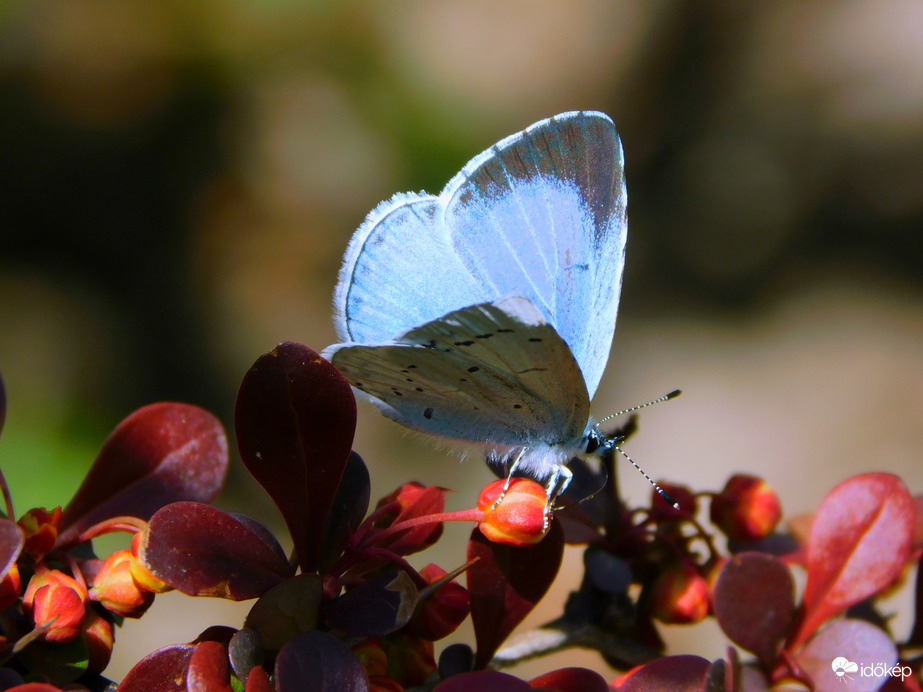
[(592, 442)]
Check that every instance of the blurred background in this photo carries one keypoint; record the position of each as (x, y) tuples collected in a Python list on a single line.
[(178, 182)]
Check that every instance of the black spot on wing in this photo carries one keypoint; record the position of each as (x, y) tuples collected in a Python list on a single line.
[(473, 368), (428, 413), (464, 343)]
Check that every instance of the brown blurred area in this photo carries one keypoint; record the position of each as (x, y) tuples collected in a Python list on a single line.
[(178, 182)]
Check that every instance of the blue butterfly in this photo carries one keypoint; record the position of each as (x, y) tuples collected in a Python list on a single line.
[(486, 313)]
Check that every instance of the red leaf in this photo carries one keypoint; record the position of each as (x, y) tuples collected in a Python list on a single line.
[(349, 508), (208, 669), (483, 681), (570, 680), (673, 673), (505, 584), (376, 607), (754, 603), (287, 610), (860, 541), (316, 662), (203, 551), (160, 454), (854, 641), (11, 542), (162, 671), (295, 420)]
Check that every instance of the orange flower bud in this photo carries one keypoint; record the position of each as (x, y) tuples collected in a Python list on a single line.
[(519, 519), (441, 613), (680, 596), (40, 528), (57, 600), (747, 509), (116, 590), (10, 587), (99, 637), (372, 657), (382, 683)]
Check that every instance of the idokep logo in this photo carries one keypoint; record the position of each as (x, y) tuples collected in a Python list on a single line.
[(847, 670), (842, 667)]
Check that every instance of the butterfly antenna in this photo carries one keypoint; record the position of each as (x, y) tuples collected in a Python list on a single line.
[(663, 493), (666, 397)]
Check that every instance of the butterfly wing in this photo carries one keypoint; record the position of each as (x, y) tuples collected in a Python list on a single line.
[(493, 372), (400, 270), (541, 214)]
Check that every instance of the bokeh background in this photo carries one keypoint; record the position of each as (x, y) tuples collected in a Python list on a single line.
[(178, 181)]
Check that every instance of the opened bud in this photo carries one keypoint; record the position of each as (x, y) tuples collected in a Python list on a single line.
[(116, 590), (517, 519), (680, 596), (748, 509), (40, 529), (57, 601)]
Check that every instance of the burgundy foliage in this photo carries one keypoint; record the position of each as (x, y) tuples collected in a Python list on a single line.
[(348, 612)]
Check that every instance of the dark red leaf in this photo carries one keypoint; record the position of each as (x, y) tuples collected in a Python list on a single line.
[(11, 542), (348, 511), (160, 454), (752, 679), (754, 602), (718, 677), (316, 662), (295, 420), (286, 611), (860, 541), (673, 673), (570, 680), (847, 641), (162, 671), (376, 607), (916, 634), (245, 652), (505, 584), (208, 669), (203, 551), (483, 681)]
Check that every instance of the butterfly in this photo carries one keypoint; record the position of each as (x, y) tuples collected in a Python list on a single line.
[(486, 313)]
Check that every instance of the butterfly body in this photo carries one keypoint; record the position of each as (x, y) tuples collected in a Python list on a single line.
[(486, 313)]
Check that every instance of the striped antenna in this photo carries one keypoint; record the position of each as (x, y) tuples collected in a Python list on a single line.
[(666, 397)]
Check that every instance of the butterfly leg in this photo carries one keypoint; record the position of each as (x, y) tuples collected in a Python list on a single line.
[(509, 478), (555, 485)]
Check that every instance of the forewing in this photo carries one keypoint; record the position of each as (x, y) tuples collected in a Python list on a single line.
[(542, 214), (493, 372), (400, 270)]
